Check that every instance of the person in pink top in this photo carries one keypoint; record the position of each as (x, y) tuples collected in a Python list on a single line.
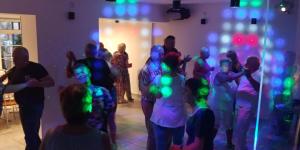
[(201, 67)]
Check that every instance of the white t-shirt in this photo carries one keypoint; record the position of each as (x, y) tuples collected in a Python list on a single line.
[(58, 140), (171, 112), (245, 85)]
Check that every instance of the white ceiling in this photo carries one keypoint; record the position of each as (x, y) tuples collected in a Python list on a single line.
[(182, 1)]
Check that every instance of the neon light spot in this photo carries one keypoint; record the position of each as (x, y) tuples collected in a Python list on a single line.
[(255, 13), (132, 1), (145, 9), (224, 50), (226, 26), (289, 83), (120, 10), (243, 3), (277, 70), (132, 10), (95, 36), (238, 39), (253, 28), (107, 11), (166, 80), (225, 39), (145, 32), (256, 3), (252, 40), (276, 82), (211, 62), (120, 1), (227, 13), (241, 14), (166, 91), (213, 37), (239, 27), (280, 43), (157, 32), (153, 90)]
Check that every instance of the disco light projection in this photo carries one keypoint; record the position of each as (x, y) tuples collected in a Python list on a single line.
[(225, 39), (120, 10), (107, 12), (227, 26), (87, 102), (253, 28), (227, 13), (132, 10), (241, 14), (213, 37), (239, 27)]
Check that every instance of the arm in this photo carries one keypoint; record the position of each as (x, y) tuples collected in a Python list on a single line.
[(14, 88), (46, 81), (223, 77), (196, 145), (3, 77)]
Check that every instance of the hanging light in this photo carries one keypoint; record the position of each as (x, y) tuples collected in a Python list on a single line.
[(285, 6)]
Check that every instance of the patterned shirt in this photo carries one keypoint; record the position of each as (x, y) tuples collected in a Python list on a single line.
[(146, 77), (102, 103)]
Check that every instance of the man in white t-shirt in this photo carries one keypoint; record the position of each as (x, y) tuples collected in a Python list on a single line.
[(247, 96)]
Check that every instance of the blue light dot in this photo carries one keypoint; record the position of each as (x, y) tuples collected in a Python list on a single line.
[(145, 9), (211, 62), (157, 32), (107, 12), (241, 14), (280, 43), (132, 10), (95, 36), (213, 37), (276, 82), (227, 13), (277, 70), (255, 13), (120, 10)]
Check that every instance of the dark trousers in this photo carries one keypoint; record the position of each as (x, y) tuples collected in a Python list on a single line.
[(30, 116), (148, 109)]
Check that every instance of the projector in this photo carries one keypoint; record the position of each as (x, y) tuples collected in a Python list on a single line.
[(177, 12)]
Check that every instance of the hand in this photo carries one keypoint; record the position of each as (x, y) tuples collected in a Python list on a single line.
[(32, 83), (71, 56), (187, 58)]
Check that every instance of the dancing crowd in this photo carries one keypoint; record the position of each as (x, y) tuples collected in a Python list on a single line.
[(102, 79)]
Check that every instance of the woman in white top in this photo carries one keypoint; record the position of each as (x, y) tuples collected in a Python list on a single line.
[(169, 112), (76, 103), (223, 97)]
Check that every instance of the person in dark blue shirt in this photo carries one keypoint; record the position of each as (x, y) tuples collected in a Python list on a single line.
[(200, 126)]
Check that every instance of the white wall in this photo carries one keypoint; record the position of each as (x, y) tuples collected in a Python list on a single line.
[(137, 37), (56, 34)]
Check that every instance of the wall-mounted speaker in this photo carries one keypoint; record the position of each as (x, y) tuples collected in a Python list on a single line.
[(111, 0), (253, 21), (71, 15), (203, 21)]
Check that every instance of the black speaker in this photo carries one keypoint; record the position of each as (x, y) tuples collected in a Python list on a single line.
[(235, 3), (71, 15), (111, 0), (253, 21), (203, 21)]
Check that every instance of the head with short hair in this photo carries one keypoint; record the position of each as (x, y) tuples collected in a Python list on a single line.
[(82, 73), (76, 104), (91, 50), (169, 42), (156, 53), (122, 47), (171, 60), (196, 90), (225, 65), (101, 45), (204, 53), (20, 56), (232, 55), (252, 64)]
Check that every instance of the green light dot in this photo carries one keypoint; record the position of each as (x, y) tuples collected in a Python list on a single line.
[(289, 83), (166, 91), (87, 102), (201, 103), (132, 1), (256, 3), (153, 90), (204, 82), (165, 68), (120, 1), (243, 3), (166, 80), (287, 93), (203, 91)]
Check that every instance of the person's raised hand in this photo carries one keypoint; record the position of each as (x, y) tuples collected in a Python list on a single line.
[(187, 58), (71, 56)]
